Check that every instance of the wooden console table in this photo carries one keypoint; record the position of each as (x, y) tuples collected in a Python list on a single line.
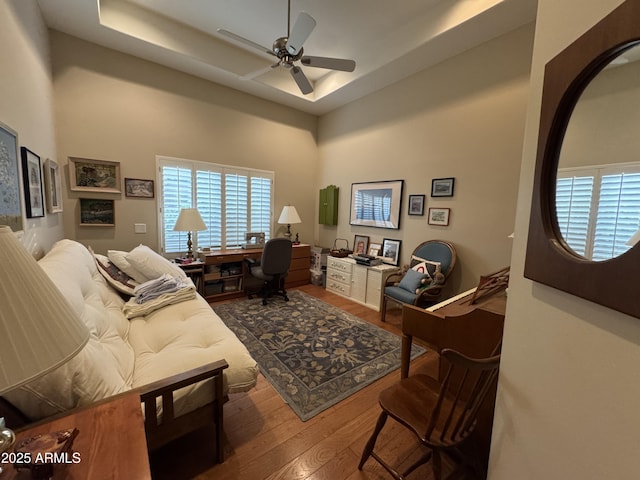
[(111, 442), (225, 271)]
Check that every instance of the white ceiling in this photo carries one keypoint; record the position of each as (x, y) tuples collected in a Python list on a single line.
[(389, 40)]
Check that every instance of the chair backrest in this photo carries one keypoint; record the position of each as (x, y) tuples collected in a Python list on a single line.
[(438, 251), (466, 385), (276, 256)]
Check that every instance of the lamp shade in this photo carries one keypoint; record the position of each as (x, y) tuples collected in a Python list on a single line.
[(289, 216), (39, 330), (634, 239), (189, 220)]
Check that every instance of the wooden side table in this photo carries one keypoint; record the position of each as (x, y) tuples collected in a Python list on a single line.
[(195, 271), (111, 442)]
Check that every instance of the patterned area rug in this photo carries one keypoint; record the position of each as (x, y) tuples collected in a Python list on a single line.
[(313, 353)]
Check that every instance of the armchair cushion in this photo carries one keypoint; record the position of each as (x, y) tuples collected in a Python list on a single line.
[(400, 294), (413, 280)]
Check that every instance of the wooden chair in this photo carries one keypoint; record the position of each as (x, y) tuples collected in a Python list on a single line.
[(438, 251), (442, 415)]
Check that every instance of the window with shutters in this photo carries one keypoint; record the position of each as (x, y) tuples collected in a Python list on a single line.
[(598, 209), (231, 201)]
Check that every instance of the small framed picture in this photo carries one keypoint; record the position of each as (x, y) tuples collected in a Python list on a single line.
[(375, 249), (442, 187), (391, 251), (135, 187), (360, 245), (439, 216), (52, 186), (416, 204), (32, 181), (95, 212)]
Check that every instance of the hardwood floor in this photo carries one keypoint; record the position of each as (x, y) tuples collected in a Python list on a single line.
[(265, 439)]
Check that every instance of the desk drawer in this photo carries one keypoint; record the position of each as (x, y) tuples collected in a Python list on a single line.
[(339, 276), (334, 263)]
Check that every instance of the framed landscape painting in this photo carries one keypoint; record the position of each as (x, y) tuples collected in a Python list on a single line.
[(100, 176), (135, 187), (96, 212), (10, 201)]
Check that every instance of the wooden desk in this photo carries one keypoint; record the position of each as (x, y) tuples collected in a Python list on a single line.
[(111, 443), (219, 286), (195, 271)]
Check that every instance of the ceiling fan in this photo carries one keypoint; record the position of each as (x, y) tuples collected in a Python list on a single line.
[(289, 49)]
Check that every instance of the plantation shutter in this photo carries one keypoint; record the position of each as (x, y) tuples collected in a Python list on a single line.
[(573, 207), (177, 194), (231, 201), (598, 209)]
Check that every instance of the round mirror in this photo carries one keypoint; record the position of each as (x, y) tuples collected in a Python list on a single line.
[(598, 177)]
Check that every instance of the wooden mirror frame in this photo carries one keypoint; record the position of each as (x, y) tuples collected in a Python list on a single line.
[(612, 283)]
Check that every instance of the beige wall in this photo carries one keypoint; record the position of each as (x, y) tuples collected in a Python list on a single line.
[(112, 106), (569, 386), (26, 103), (463, 118)]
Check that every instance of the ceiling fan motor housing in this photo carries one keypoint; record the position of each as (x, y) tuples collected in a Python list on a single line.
[(280, 49)]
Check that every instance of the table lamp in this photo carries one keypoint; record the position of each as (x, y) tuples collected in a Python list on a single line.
[(39, 330), (288, 217), (189, 221), (635, 238)]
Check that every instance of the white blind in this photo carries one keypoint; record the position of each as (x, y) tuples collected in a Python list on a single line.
[(231, 201), (598, 209)]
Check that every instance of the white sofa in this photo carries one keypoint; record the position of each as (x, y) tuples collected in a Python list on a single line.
[(122, 355)]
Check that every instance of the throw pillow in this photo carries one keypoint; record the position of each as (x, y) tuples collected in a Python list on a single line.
[(432, 268), (114, 276), (411, 281), (151, 264), (119, 259)]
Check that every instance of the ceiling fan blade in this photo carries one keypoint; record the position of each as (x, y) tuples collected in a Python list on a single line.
[(331, 63), (257, 73), (301, 79), (246, 41), (300, 32)]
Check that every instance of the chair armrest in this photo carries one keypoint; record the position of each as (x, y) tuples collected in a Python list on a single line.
[(429, 295), (162, 429), (180, 380), (393, 279)]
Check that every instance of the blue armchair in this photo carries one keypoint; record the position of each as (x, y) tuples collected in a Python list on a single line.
[(422, 284)]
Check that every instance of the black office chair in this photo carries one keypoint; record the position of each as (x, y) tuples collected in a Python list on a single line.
[(273, 268)]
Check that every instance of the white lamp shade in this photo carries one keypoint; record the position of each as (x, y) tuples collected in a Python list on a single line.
[(634, 239), (39, 330), (289, 216), (189, 220)]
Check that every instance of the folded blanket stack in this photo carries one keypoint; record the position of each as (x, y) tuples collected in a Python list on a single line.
[(157, 293)]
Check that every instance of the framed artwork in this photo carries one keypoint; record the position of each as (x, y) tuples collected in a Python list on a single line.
[(375, 249), (416, 204), (376, 204), (95, 212), (360, 245), (52, 186), (32, 181), (442, 187), (439, 216), (87, 175), (391, 251), (10, 199), (135, 187)]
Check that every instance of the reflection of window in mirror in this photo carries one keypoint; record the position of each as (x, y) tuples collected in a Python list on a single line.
[(598, 208), (598, 177)]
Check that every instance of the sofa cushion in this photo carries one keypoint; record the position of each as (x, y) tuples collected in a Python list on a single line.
[(114, 276), (151, 264), (119, 259)]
